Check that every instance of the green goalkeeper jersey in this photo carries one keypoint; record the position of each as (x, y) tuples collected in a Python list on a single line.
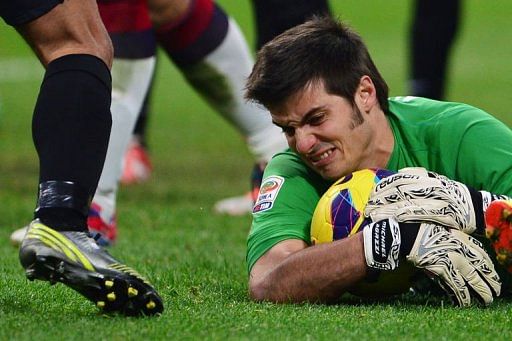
[(457, 140)]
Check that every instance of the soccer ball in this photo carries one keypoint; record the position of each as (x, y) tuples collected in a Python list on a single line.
[(340, 213)]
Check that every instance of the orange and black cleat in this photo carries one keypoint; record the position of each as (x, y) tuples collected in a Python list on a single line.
[(498, 221)]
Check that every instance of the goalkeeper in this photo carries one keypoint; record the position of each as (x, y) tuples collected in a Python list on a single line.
[(322, 88)]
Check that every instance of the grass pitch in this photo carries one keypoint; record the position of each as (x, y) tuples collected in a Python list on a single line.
[(195, 258)]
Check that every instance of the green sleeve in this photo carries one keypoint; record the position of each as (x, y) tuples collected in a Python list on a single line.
[(454, 139), (286, 213), (485, 156)]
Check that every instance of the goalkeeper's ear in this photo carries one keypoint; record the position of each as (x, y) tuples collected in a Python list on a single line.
[(365, 95)]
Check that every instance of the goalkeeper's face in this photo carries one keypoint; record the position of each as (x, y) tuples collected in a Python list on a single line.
[(331, 135)]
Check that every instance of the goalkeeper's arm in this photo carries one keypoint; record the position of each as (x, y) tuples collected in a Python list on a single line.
[(292, 272)]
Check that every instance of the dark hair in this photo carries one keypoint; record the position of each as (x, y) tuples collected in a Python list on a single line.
[(321, 49)]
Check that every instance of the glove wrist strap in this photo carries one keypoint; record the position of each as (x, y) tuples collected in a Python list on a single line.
[(409, 232), (386, 242), (481, 201), (478, 206)]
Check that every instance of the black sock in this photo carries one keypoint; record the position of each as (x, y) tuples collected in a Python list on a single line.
[(140, 129), (273, 17), (71, 128), (434, 29)]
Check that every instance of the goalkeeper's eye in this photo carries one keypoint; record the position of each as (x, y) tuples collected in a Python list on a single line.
[(288, 131), (317, 119)]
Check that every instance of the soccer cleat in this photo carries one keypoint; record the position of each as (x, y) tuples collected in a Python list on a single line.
[(17, 236), (243, 204), (235, 206), (74, 259), (498, 220), (106, 232), (137, 166)]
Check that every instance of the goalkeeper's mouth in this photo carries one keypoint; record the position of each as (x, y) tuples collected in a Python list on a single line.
[(323, 158)]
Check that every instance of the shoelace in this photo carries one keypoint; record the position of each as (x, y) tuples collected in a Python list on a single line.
[(84, 240), (96, 236)]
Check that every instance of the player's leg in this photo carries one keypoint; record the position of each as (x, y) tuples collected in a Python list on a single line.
[(210, 50), (433, 31), (273, 17), (137, 166), (130, 29), (142, 121), (71, 126)]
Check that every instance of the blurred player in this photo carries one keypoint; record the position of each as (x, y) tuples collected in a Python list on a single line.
[(433, 31), (273, 17), (71, 127), (269, 23), (129, 26), (132, 34), (209, 49)]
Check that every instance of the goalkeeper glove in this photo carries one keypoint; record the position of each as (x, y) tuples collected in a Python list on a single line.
[(415, 194), (455, 260)]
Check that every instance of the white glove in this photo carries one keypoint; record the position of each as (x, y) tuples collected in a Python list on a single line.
[(457, 262), (413, 194), (454, 259)]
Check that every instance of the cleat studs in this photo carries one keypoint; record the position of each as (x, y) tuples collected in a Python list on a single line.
[(111, 297), (150, 305), (109, 284), (132, 292), (60, 268), (30, 274), (100, 304)]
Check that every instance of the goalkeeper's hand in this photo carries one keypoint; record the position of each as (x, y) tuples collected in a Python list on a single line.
[(414, 194), (455, 260)]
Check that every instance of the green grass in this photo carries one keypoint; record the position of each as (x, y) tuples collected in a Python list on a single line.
[(196, 258)]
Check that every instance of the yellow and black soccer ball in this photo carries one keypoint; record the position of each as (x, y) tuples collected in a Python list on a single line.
[(340, 214)]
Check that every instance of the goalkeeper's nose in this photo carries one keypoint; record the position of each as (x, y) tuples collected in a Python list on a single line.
[(305, 141)]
